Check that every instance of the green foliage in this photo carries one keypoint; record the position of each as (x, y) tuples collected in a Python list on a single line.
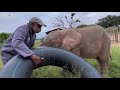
[(108, 21), (37, 43), (3, 37), (81, 26), (42, 39), (0, 45), (1, 64)]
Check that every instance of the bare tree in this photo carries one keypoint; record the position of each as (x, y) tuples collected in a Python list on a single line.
[(60, 21)]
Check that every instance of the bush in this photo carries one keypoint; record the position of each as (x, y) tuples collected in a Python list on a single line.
[(81, 26), (3, 37), (42, 39)]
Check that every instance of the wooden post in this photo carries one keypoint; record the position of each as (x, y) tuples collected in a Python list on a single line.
[(116, 36)]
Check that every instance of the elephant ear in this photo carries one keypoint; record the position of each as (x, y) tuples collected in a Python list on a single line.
[(71, 40)]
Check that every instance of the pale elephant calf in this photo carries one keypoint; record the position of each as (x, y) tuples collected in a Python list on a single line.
[(88, 42)]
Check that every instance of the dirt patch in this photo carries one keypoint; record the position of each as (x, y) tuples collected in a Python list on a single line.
[(116, 44)]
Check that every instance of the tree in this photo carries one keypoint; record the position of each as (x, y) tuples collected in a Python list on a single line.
[(81, 26), (42, 39), (61, 21), (109, 21), (3, 37)]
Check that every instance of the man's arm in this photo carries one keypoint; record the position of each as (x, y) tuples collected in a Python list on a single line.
[(18, 43)]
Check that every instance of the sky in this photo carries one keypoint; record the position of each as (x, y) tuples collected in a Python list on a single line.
[(9, 21)]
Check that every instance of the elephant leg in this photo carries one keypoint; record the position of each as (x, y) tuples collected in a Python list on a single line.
[(103, 65)]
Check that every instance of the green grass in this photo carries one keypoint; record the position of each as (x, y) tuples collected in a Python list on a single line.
[(47, 72), (1, 64), (114, 67), (55, 72), (37, 43)]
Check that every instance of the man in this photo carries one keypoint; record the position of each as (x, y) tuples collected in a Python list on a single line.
[(21, 41)]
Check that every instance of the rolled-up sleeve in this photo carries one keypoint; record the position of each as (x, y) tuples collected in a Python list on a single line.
[(18, 43)]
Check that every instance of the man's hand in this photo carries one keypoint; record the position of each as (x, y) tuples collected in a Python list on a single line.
[(36, 59)]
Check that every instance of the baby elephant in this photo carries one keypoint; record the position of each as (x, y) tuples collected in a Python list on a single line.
[(88, 42)]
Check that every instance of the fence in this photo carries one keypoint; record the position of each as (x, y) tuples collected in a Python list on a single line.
[(114, 34)]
